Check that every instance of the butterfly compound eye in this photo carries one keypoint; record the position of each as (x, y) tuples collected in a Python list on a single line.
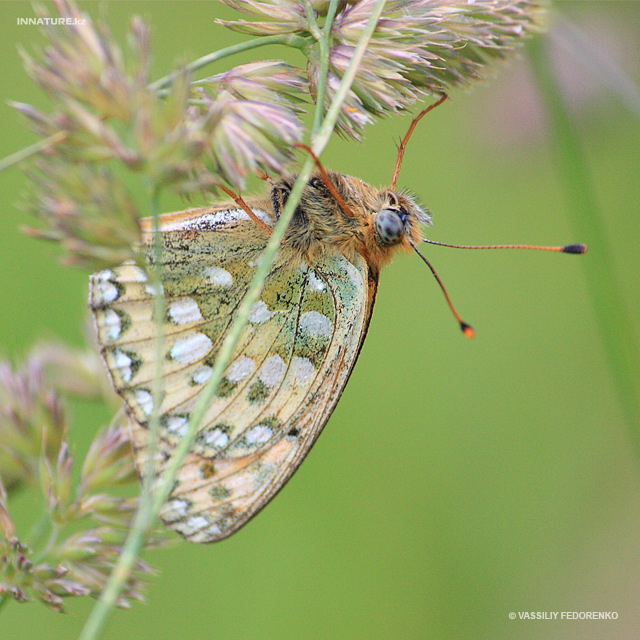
[(389, 227)]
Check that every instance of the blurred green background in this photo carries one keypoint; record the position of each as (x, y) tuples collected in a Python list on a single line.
[(458, 480)]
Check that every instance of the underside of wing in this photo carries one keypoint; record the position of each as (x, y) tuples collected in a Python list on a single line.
[(285, 377)]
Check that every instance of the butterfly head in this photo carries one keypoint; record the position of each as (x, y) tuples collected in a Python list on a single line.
[(398, 221), (392, 221)]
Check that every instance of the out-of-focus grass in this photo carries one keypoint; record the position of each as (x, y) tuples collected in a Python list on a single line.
[(586, 215)]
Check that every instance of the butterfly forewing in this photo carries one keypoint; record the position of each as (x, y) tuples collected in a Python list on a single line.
[(285, 376)]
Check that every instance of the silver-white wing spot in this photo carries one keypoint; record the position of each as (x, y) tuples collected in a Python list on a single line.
[(316, 283), (354, 274), (105, 291), (196, 522), (192, 348), (218, 276), (202, 374), (154, 289), (112, 324), (240, 369), (303, 369), (176, 509), (185, 311), (105, 275), (273, 370), (123, 362), (258, 434), (260, 312), (216, 438), (177, 425), (144, 400), (316, 324)]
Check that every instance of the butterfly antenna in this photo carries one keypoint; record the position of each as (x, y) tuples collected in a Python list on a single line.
[(241, 203), (328, 182), (467, 329), (568, 248), (403, 145)]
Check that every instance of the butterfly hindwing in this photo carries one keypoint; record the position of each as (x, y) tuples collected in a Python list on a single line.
[(285, 377)]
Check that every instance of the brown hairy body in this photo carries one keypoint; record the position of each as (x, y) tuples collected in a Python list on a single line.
[(320, 225)]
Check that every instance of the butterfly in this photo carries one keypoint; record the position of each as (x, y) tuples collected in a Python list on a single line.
[(295, 354), (294, 357)]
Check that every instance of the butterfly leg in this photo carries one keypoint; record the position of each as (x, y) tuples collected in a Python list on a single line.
[(241, 203), (265, 176)]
